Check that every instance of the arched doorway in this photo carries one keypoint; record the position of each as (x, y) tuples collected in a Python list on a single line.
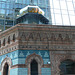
[(67, 67), (6, 66), (31, 60), (34, 67), (6, 69)]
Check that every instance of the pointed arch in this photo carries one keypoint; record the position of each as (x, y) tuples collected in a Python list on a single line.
[(34, 56), (6, 65), (14, 38), (34, 67), (31, 36), (38, 37), (8, 60), (38, 60), (9, 40), (4, 42), (6, 69), (23, 37)]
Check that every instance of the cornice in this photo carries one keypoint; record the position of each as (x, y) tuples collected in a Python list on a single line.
[(38, 37)]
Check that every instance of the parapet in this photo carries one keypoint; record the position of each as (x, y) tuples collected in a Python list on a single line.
[(37, 37)]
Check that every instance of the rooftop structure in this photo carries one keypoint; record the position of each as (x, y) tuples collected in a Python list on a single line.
[(58, 12), (31, 9), (32, 15), (10, 10)]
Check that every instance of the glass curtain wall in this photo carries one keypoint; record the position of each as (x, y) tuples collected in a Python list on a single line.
[(59, 12), (63, 12), (9, 10), (6, 13)]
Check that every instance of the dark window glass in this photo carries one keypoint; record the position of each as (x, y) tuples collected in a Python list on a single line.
[(9, 40), (4, 42), (67, 67), (34, 68), (0, 43), (6, 69), (14, 37)]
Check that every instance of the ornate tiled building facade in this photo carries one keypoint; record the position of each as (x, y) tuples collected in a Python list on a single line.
[(48, 45)]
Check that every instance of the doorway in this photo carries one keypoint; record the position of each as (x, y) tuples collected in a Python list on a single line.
[(34, 67), (6, 69)]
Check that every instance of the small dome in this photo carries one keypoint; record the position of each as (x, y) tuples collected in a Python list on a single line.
[(31, 9)]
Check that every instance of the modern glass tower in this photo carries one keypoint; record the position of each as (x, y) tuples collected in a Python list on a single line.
[(63, 12), (59, 12), (9, 10)]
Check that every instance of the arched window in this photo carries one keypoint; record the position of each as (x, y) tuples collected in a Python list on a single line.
[(0, 43), (6, 69), (6, 65), (14, 37), (67, 67), (4, 42), (34, 63), (34, 67), (9, 40)]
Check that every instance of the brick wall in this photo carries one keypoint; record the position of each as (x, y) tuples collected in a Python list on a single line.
[(52, 43)]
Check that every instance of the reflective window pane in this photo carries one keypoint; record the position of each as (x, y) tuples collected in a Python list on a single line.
[(72, 19), (64, 11), (57, 11), (70, 6), (58, 19), (66, 20), (63, 4), (56, 4)]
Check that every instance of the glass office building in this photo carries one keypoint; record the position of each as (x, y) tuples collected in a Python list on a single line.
[(63, 12), (9, 10), (59, 12)]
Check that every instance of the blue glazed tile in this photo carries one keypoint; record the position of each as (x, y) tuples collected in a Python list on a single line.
[(46, 71), (16, 55)]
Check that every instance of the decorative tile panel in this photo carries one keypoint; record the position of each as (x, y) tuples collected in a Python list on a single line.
[(14, 71), (15, 61), (19, 56), (46, 61), (46, 71), (21, 60), (0, 73), (22, 71), (46, 54), (27, 53)]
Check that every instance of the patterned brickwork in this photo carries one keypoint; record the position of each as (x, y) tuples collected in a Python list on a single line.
[(51, 44), (57, 57), (37, 37)]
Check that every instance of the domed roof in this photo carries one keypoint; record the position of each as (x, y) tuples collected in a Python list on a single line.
[(31, 9)]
